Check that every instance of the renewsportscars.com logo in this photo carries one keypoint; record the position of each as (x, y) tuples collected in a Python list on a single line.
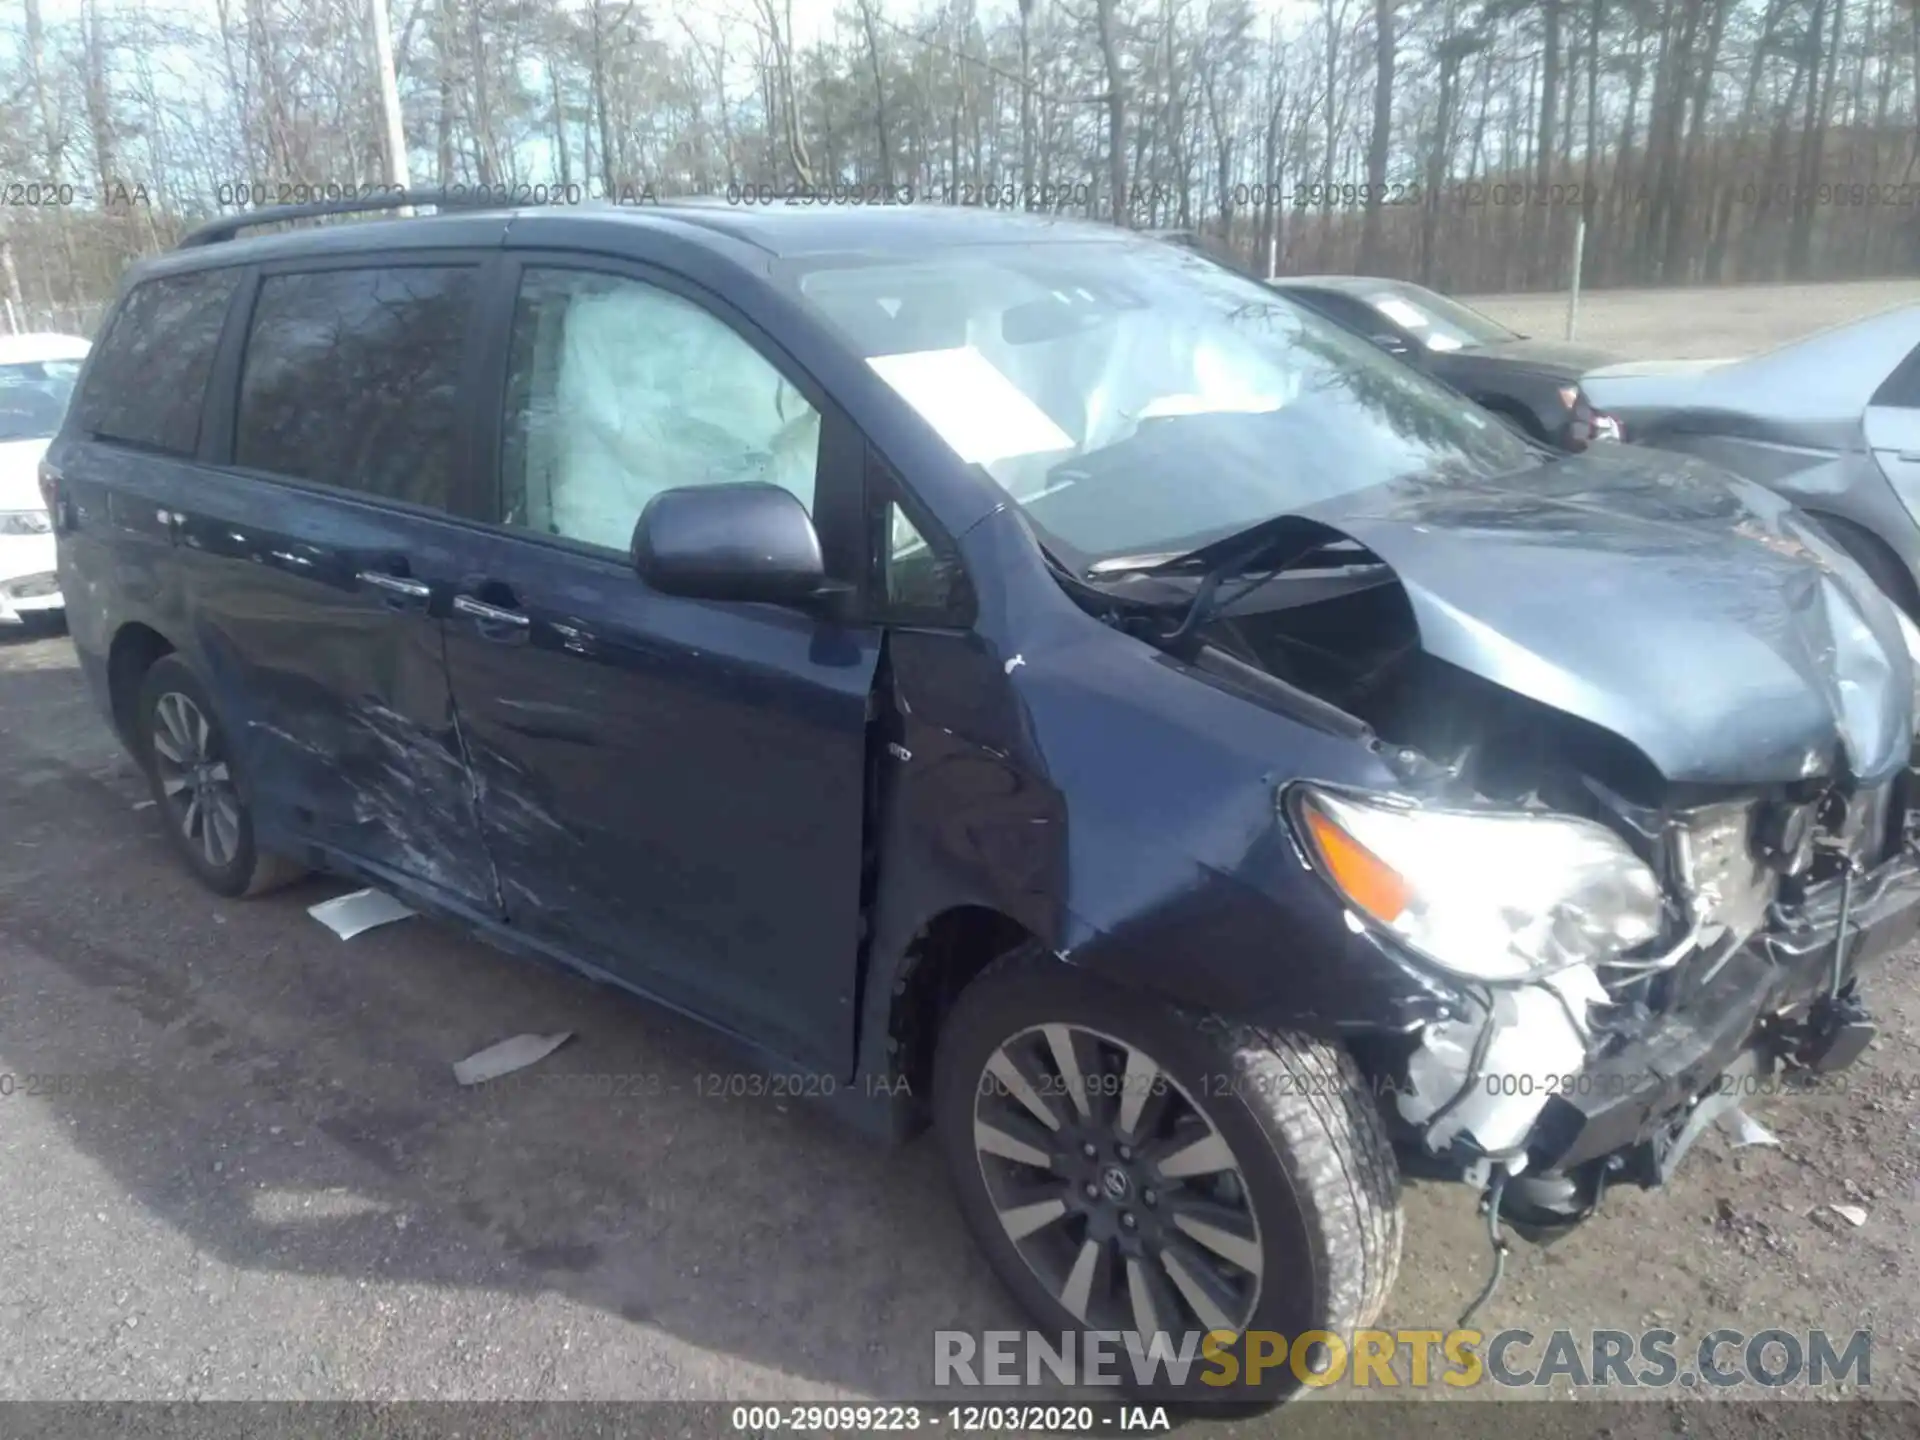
[(1409, 1359)]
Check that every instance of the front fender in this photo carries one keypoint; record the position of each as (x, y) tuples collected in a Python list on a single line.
[(1055, 772), (1267, 941)]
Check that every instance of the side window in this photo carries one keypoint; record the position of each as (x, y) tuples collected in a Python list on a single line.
[(617, 390), (149, 372), (1902, 388), (351, 378), (1365, 321), (919, 580)]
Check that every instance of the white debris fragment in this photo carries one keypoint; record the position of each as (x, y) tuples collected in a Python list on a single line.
[(1855, 1215), (1015, 663), (143, 804), (348, 915), (1747, 1130), (514, 1053)]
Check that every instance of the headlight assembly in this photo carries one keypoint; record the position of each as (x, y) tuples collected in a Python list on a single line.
[(25, 522), (1487, 894)]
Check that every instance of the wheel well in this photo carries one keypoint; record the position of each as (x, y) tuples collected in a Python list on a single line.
[(950, 950), (135, 648), (1875, 556)]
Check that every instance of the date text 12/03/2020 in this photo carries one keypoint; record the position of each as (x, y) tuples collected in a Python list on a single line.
[(1042, 1419), (1504, 194)]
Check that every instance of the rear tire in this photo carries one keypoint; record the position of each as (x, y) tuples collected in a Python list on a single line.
[(197, 786), (1239, 1179)]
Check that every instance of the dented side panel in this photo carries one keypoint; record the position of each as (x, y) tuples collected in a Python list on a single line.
[(338, 695), (962, 816), (1052, 775), (674, 790)]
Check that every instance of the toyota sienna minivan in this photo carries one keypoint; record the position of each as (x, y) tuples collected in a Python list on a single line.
[(1026, 678)]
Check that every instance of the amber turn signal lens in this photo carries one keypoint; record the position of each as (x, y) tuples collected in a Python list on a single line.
[(1363, 877)]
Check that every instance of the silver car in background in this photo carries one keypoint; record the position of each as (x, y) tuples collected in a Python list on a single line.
[(1832, 422)]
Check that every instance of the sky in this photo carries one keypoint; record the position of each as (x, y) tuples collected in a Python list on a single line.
[(811, 18)]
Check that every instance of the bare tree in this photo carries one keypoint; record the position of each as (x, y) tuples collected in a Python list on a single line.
[(1380, 141), (1116, 108), (1431, 138)]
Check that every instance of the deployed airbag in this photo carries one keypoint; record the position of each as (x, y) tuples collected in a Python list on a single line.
[(653, 393)]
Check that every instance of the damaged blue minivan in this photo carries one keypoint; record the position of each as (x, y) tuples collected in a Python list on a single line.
[(1022, 678)]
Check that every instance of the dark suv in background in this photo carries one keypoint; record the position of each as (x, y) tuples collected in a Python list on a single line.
[(1533, 383), (1016, 675)]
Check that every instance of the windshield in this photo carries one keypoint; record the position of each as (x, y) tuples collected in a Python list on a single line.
[(1435, 321), (33, 398), (1136, 398)]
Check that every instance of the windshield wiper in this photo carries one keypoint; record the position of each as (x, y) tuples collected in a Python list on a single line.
[(1207, 600), (1173, 562), (1157, 563)]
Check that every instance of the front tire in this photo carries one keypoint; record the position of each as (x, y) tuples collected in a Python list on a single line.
[(197, 787), (1130, 1167)]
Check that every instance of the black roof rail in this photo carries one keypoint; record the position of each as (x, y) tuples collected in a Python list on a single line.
[(225, 227)]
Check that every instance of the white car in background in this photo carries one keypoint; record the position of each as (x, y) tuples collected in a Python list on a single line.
[(37, 374)]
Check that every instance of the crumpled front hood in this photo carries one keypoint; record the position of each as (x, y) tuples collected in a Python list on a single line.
[(1692, 614)]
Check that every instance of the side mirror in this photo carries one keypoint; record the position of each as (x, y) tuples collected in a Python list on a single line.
[(750, 541)]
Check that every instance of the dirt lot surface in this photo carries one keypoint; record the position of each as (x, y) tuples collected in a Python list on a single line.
[(1699, 324), (260, 1180)]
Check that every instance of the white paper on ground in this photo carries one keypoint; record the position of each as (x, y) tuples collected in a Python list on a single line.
[(514, 1053), (348, 915), (976, 409), (1747, 1130), (1852, 1214)]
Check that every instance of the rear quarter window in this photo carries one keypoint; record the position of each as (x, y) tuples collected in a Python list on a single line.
[(149, 372)]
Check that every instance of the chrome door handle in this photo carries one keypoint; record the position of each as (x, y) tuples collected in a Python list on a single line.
[(396, 584), (492, 614)]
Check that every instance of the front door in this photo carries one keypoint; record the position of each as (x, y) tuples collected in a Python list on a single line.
[(671, 789)]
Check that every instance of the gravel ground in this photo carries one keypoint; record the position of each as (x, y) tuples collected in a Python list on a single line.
[(1699, 324), (267, 1185)]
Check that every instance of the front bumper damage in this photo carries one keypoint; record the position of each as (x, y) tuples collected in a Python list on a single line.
[(1519, 1096)]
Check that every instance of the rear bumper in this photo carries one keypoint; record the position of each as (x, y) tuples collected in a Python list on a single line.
[(1767, 1011)]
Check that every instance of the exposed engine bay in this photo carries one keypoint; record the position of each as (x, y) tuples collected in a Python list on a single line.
[(1756, 881)]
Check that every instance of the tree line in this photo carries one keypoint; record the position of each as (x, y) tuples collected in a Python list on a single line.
[(1457, 142)]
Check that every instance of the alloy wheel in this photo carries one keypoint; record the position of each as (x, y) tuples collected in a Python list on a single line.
[(195, 778), (1116, 1189)]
